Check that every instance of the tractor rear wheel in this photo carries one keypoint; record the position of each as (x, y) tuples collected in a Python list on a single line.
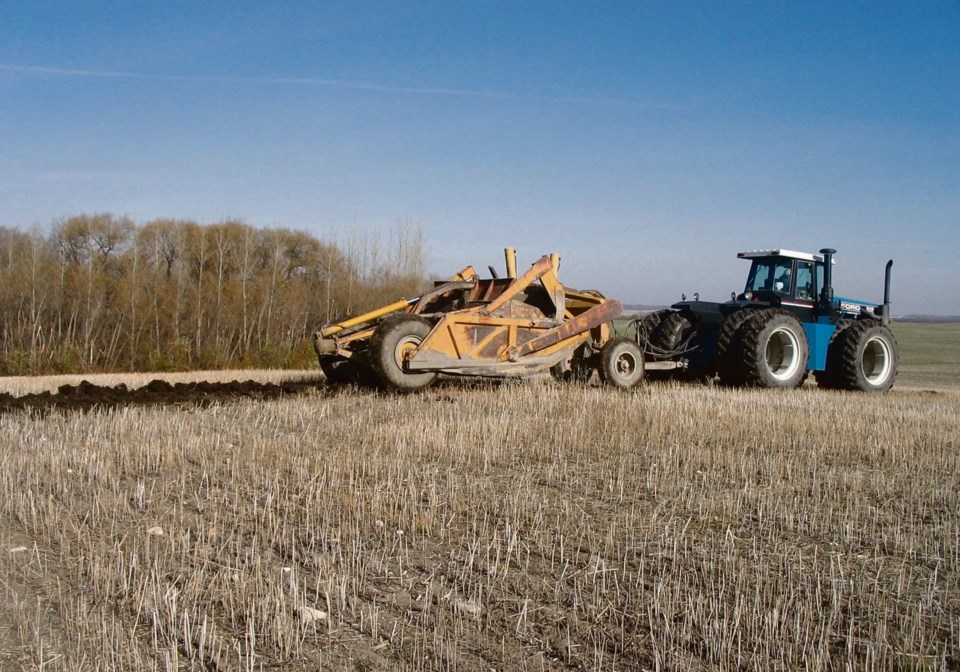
[(774, 350), (669, 335), (621, 363), (647, 324), (867, 357), (394, 341), (725, 362)]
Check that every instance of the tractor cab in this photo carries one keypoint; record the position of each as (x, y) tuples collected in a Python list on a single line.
[(783, 277)]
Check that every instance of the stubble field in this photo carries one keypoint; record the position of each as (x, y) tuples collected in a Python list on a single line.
[(523, 525)]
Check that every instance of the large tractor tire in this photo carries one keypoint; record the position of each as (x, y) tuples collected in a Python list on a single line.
[(648, 324), (396, 338), (773, 351), (670, 334), (867, 358), (726, 364), (621, 363)]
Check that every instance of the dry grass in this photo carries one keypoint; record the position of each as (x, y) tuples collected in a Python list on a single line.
[(521, 526)]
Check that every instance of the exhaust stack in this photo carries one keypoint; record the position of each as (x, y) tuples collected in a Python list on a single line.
[(826, 293), (886, 292)]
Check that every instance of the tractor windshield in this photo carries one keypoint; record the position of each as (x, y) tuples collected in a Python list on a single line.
[(772, 274)]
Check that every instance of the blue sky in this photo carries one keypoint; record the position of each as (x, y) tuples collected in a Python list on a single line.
[(646, 142)]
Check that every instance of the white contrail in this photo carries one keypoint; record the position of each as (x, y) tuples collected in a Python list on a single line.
[(43, 70), (331, 83)]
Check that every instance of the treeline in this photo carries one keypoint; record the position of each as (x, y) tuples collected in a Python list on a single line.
[(105, 293)]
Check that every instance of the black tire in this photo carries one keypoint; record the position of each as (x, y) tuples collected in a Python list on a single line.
[(392, 342), (867, 357), (621, 363), (773, 351), (648, 324), (670, 334), (829, 378), (726, 363)]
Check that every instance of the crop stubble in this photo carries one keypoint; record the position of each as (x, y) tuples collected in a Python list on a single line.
[(514, 526)]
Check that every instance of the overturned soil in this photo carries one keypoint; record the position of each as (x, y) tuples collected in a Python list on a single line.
[(86, 396)]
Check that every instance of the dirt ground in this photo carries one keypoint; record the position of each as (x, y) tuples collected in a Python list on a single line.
[(86, 396)]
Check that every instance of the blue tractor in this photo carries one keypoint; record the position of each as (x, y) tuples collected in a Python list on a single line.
[(785, 324)]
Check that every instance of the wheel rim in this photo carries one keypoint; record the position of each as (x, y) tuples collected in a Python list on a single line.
[(875, 361), (625, 365), (783, 354), (405, 349)]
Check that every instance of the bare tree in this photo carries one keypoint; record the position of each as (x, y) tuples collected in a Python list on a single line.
[(99, 292)]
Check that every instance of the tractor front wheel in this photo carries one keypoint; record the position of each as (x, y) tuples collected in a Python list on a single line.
[(621, 363), (774, 351), (395, 340), (867, 357)]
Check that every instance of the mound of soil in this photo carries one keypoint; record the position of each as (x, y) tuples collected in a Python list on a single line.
[(86, 396)]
